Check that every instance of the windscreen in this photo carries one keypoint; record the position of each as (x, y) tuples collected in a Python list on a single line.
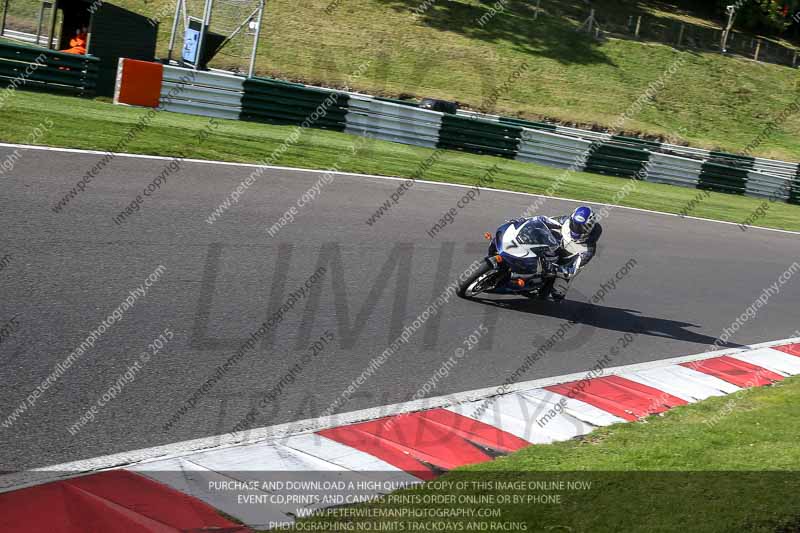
[(536, 232)]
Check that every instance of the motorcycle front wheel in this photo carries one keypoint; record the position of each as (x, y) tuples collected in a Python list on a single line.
[(483, 280)]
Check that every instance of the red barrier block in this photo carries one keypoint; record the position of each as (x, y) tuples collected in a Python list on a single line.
[(619, 396), (138, 83), (117, 500), (734, 371), (426, 444)]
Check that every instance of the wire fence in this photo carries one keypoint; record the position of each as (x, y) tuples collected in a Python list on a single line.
[(226, 18), (26, 17), (685, 35)]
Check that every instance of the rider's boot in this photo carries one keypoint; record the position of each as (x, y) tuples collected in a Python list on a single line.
[(560, 288)]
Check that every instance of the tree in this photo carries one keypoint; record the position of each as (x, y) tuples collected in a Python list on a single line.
[(761, 16)]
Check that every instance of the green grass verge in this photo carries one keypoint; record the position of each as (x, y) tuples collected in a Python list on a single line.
[(91, 124), (721, 465)]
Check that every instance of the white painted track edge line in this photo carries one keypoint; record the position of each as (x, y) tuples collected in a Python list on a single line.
[(277, 432), (376, 176)]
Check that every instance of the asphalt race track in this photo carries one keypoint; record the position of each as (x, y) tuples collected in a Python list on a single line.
[(68, 271)]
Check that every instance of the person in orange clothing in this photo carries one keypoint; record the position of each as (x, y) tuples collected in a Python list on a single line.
[(78, 43)]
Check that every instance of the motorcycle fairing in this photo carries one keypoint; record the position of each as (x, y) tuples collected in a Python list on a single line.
[(524, 245)]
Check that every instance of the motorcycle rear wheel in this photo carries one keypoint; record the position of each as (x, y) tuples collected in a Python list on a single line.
[(482, 280)]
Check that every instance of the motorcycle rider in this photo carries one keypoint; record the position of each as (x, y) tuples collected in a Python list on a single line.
[(578, 234)]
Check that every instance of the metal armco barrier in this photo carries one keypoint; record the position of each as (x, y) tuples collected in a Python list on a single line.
[(201, 93), (722, 178), (26, 37), (26, 66), (529, 124), (674, 170), (393, 122), (553, 150), (479, 136), (278, 102), (794, 188), (617, 160)]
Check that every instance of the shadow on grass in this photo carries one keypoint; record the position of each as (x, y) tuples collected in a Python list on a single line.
[(553, 33), (549, 36)]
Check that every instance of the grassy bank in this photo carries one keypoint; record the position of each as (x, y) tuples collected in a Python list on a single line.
[(725, 464), (711, 102), (447, 52), (88, 124)]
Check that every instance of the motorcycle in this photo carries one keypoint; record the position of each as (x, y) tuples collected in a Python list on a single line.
[(522, 259)]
